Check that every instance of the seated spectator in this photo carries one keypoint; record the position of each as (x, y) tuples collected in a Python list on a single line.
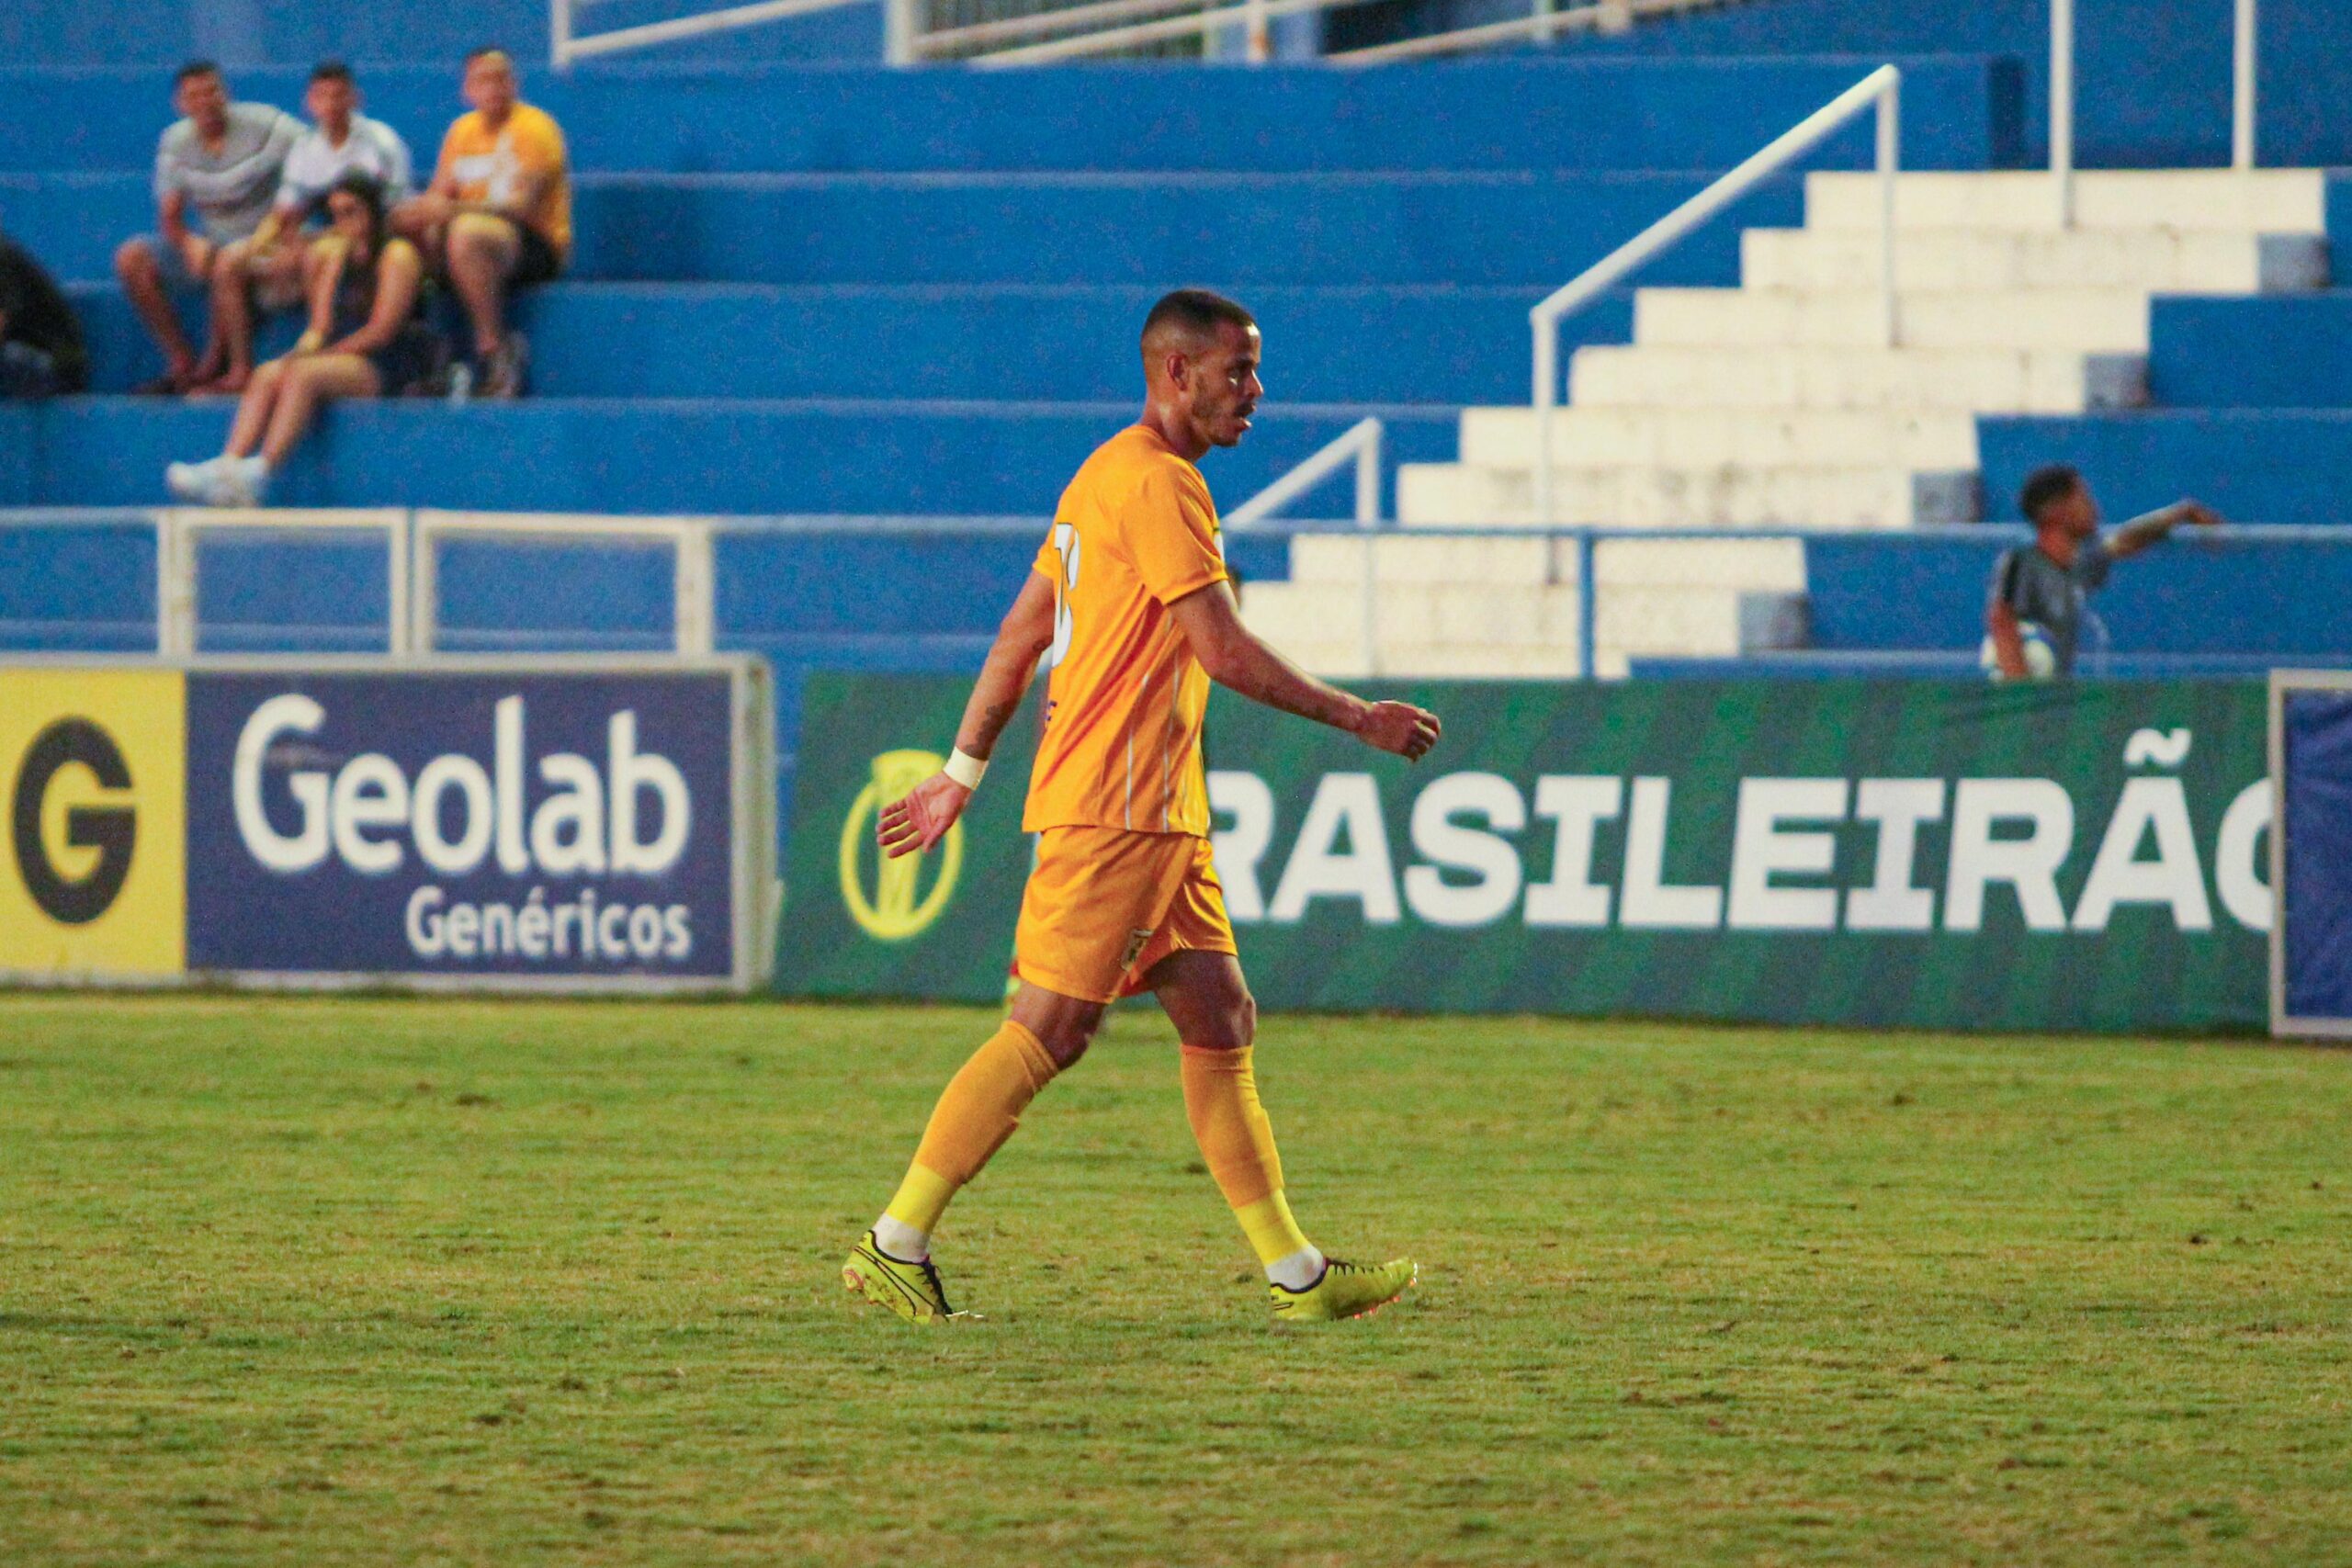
[(263, 273), (219, 165), (364, 341), (40, 341), (2039, 601), (498, 214)]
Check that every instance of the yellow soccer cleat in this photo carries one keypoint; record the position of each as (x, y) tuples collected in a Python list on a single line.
[(1345, 1290), (911, 1290)]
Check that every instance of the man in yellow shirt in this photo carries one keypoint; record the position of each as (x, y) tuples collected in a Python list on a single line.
[(498, 214), (1133, 608)]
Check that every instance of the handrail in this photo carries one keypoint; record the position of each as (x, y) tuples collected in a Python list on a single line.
[(1361, 441), (1882, 86), (1251, 14), (905, 43), (566, 45), (693, 570), (1541, 24), (946, 39), (2244, 57)]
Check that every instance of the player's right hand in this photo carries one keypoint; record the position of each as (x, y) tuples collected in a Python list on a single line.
[(1400, 729), (912, 825)]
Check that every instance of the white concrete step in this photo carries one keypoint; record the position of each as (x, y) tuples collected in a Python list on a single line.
[(2086, 321), (1423, 563), (1495, 628), (1705, 437), (2261, 201), (1656, 596), (1850, 496), (1975, 380), (2155, 259)]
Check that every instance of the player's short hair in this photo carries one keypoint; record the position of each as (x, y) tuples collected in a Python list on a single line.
[(1196, 313), (484, 51), (194, 69), (2052, 481), (333, 70)]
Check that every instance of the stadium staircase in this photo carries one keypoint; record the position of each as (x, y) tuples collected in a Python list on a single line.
[(834, 290), (1776, 404)]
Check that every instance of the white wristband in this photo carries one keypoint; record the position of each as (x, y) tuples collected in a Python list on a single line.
[(964, 769)]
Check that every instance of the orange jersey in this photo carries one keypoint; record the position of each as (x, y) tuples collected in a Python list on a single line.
[(486, 164), (1135, 531)]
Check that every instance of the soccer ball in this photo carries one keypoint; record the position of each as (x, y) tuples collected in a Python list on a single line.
[(2040, 653)]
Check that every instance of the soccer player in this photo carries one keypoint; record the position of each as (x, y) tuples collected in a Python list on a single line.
[(2048, 583), (1132, 606)]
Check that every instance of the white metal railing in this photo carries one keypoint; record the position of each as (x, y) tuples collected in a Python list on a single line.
[(175, 550), (1359, 443), (2244, 54), (568, 44), (693, 578), (1547, 19), (1882, 87)]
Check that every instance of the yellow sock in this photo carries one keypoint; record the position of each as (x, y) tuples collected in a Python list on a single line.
[(1237, 1141), (979, 1110)]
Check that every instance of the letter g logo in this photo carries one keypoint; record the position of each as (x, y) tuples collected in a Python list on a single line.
[(109, 830)]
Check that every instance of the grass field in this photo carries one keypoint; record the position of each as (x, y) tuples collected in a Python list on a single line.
[(321, 1283)]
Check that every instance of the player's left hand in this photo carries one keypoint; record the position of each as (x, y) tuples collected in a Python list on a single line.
[(2195, 512), (921, 819)]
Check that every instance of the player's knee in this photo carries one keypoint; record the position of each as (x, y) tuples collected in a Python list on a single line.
[(1230, 1027), (133, 260), (1066, 1039)]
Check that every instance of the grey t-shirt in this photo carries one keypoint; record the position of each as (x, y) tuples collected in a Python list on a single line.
[(2056, 598), (230, 190)]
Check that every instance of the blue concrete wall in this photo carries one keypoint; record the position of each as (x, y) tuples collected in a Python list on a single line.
[(2153, 76), (1430, 345), (1529, 228), (2280, 351), (2182, 597), (987, 459), (1529, 114), (2255, 465), (161, 33)]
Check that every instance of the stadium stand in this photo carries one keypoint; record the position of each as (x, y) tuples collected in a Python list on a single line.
[(833, 289)]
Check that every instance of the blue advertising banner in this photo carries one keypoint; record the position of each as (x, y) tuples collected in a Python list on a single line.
[(2311, 739), (470, 823)]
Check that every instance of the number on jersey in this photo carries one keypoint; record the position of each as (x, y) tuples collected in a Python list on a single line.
[(1066, 545)]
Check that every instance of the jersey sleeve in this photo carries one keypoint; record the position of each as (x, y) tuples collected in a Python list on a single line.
[(538, 145), (1171, 534), (171, 175), (2001, 589), (2092, 565), (447, 163), (399, 171)]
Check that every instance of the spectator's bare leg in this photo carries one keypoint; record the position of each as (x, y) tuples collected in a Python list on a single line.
[(232, 318), (142, 279), (310, 383), (253, 409), (483, 251)]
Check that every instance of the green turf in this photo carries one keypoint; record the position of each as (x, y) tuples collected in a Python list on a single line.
[(321, 1283)]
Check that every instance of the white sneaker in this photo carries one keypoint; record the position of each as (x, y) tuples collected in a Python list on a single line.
[(238, 481), (186, 481)]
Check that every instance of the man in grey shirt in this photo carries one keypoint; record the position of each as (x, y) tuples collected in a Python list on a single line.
[(2048, 584), (217, 171)]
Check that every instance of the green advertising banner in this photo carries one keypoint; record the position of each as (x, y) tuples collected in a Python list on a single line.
[(1883, 853)]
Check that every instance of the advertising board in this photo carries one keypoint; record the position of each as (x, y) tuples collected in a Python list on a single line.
[(1917, 854), (575, 824)]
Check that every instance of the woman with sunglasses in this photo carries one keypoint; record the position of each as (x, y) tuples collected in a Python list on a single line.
[(366, 340)]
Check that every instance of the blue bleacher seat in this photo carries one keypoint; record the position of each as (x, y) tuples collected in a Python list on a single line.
[(752, 239)]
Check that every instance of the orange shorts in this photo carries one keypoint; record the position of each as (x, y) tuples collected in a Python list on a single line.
[(1104, 905)]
